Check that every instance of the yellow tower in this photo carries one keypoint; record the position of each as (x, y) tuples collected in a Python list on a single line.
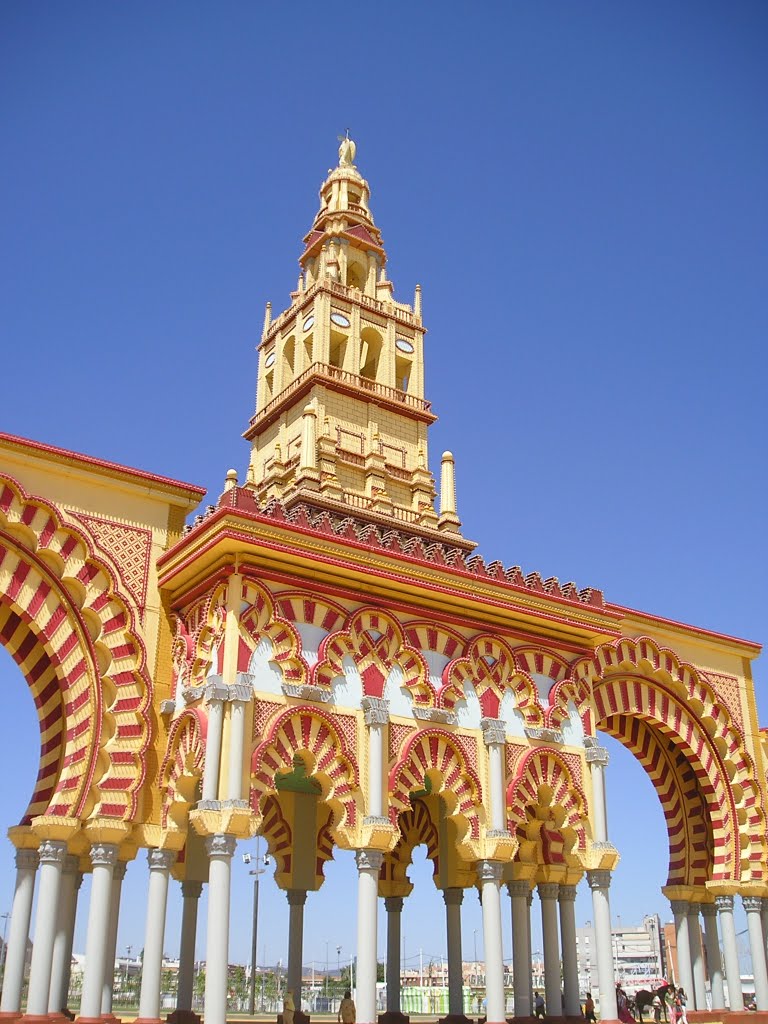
[(341, 419)]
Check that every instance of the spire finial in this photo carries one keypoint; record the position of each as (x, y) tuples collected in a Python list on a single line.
[(347, 150)]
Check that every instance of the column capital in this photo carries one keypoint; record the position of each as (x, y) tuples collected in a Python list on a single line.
[(119, 872), (765, 905), (489, 870), (52, 851), (161, 860), (548, 890), (239, 693), (27, 860), (567, 894), (694, 908), (369, 860), (680, 906), (375, 710), (296, 897), (708, 909), (104, 855), (724, 903), (220, 845), (215, 691), (494, 731), (752, 903), (453, 896), (599, 879), (519, 887), (597, 755), (393, 904), (191, 890)]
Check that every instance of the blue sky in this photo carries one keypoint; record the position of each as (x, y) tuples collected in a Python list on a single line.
[(579, 189)]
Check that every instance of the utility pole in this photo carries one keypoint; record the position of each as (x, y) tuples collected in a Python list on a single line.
[(255, 923)]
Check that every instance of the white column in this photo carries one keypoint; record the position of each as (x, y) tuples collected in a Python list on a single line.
[(489, 875), (697, 959), (683, 941), (453, 899), (494, 737), (52, 854), (600, 883), (394, 907), (368, 867), (18, 933), (70, 941), (376, 715), (529, 903), (240, 694), (62, 942), (107, 991), (296, 900), (724, 906), (753, 906), (103, 860), (548, 892), (160, 863), (215, 697), (521, 948), (764, 915), (597, 759), (567, 900), (220, 849), (190, 892), (714, 960)]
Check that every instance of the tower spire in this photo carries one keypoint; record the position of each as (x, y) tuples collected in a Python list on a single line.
[(348, 355)]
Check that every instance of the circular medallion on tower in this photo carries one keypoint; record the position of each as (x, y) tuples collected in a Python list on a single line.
[(269, 360), (309, 323), (403, 345), (339, 319)]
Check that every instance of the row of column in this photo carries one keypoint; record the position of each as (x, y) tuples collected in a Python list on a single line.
[(690, 951), (59, 883)]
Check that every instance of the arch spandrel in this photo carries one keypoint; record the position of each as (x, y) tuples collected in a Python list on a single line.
[(68, 595)]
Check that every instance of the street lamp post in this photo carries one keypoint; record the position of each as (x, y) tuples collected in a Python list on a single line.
[(254, 928)]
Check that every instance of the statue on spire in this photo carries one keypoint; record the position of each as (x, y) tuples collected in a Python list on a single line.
[(347, 151)]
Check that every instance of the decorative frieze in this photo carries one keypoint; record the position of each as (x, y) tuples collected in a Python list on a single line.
[(436, 715), (305, 691), (548, 735)]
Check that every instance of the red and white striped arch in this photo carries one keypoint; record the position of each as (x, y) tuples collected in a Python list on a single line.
[(543, 768), (71, 630), (182, 767), (489, 665), (436, 751), (416, 828)]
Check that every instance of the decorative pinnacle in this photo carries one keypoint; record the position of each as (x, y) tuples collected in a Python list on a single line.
[(347, 151)]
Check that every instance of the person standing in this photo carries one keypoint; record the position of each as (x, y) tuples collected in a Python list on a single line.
[(347, 1012), (589, 1008), (538, 1004)]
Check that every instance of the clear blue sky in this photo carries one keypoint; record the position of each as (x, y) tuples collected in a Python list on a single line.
[(579, 188)]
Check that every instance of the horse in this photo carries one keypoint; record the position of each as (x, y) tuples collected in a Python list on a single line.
[(645, 998)]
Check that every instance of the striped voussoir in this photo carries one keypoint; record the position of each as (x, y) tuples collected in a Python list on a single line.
[(277, 833), (437, 751), (690, 836), (182, 767), (205, 624), (258, 621), (489, 666), (312, 732), (416, 827), (81, 641), (544, 777)]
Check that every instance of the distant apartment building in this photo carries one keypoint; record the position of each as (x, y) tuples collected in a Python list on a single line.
[(638, 955)]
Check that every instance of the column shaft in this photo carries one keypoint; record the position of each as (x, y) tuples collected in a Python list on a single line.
[(190, 892), (108, 988), (453, 900), (697, 959), (62, 942), (220, 849), (103, 860), (529, 904), (724, 906), (597, 758), (160, 862), (394, 908), (548, 893), (714, 960), (567, 899), (375, 769), (599, 883), (236, 748), (368, 867), (684, 979), (296, 900), (496, 780), (18, 933), (52, 856), (213, 747), (489, 873), (521, 949), (753, 906)]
